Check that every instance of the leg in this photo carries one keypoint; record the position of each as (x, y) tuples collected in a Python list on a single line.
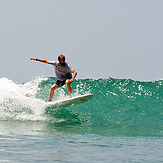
[(53, 88), (68, 87)]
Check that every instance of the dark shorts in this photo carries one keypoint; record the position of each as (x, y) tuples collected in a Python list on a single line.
[(61, 83)]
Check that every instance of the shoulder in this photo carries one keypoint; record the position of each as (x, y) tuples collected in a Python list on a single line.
[(69, 67), (52, 62), (67, 64)]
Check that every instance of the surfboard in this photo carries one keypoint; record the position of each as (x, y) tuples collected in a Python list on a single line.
[(69, 101)]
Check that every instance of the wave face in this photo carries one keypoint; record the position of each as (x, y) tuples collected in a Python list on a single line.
[(119, 106)]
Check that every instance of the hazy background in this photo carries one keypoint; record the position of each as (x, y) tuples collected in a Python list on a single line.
[(100, 38)]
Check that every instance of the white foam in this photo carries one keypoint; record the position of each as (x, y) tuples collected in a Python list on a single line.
[(18, 101)]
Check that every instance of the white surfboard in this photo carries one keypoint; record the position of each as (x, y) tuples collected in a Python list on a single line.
[(69, 101)]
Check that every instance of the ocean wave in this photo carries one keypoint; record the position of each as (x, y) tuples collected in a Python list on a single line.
[(122, 106)]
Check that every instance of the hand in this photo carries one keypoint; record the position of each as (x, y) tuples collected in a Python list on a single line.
[(32, 58)]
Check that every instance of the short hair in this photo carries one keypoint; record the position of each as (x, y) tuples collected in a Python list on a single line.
[(61, 57)]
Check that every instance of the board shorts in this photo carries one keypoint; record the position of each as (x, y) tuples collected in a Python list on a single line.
[(61, 83)]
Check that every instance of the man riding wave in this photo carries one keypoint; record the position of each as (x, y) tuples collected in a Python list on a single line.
[(63, 73)]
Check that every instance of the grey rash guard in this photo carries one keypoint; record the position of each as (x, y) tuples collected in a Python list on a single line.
[(62, 72)]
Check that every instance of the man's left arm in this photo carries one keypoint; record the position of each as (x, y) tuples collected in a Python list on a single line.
[(73, 77)]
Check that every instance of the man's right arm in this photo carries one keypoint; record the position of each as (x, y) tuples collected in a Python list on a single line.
[(40, 60)]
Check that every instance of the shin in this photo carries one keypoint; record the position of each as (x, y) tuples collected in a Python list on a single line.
[(53, 88)]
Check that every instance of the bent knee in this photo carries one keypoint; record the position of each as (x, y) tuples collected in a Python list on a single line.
[(55, 86), (67, 82)]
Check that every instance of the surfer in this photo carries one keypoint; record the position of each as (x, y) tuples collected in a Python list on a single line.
[(63, 73)]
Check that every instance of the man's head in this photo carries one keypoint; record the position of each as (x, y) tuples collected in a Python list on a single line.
[(61, 59)]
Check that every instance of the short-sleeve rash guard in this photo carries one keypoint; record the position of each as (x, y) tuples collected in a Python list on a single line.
[(62, 72)]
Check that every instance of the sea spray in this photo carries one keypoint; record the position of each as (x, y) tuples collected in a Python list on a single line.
[(18, 102)]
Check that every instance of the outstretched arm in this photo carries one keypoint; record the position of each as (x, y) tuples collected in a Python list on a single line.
[(40, 60)]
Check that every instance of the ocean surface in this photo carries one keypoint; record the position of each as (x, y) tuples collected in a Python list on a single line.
[(123, 122)]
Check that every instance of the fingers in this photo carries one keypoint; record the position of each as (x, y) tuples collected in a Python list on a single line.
[(32, 58)]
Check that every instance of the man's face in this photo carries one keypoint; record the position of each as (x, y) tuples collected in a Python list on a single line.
[(62, 61)]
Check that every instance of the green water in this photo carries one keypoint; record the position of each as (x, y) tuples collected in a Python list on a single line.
[(119, 107), (121, 123)]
